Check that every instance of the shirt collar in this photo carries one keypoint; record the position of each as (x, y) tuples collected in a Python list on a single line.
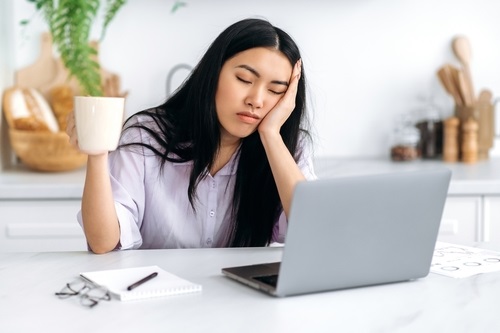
[(227, 170)]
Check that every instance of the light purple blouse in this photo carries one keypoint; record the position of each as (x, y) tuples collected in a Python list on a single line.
[(153, 208)]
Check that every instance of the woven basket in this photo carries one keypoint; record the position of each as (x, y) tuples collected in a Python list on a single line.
[(46, 151)]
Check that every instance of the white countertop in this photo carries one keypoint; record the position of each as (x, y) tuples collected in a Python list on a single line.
[(481, 178), (23, 184), (432, 304)]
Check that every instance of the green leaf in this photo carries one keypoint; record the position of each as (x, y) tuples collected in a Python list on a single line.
[(177, 5), (112, 7)]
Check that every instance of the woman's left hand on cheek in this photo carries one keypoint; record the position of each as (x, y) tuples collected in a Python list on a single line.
[(282, 110)]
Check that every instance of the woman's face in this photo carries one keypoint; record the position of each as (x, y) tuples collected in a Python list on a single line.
[(250, 84)]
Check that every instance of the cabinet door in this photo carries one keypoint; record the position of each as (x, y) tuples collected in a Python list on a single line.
[(36, 226), (461, 221), (491, 218)]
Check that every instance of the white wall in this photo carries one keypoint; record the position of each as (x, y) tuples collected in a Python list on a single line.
[(367, 61)]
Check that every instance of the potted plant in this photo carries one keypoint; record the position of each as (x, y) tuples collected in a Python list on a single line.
[(70, 23)]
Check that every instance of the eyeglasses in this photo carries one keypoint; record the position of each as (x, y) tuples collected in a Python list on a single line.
[(90, 295)]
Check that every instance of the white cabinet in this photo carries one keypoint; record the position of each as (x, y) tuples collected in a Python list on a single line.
[(462, 220), (491, 207), (40, 225), (468, 219)]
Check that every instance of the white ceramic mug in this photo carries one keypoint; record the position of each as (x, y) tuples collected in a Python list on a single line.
[(99, 122)]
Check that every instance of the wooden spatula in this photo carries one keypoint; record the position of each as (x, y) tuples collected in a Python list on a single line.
[(464, 88), (445, 76)]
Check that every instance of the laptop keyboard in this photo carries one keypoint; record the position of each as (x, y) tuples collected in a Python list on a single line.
[(271, 280)]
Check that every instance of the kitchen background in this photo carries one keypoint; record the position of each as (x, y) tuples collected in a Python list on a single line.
[(367, 61)]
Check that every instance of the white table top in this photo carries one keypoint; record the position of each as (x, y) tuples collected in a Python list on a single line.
[(432, 304)]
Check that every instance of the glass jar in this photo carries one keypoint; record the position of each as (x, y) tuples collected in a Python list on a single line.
[(405, 142)]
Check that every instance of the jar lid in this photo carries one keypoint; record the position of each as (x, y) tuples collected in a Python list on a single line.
[(408, 135)]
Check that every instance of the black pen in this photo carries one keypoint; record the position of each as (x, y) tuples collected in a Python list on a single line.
[(141, 281)]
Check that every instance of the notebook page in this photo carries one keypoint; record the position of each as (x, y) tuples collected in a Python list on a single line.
[(117, 281)]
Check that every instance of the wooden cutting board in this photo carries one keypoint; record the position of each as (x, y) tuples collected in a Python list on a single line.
[(486, 121), (48, 72), (42, 71)]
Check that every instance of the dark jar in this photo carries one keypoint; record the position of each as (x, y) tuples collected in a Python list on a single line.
[(431, 138)]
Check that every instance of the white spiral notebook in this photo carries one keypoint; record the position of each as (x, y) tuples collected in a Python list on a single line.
[(117, 281)]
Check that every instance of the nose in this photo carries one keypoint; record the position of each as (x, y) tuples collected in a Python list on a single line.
[(255, 98)]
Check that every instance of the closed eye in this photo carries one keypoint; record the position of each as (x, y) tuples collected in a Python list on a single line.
[(244, 81), (274, 92)]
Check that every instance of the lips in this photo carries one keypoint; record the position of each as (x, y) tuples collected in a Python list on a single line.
[(248, 117)]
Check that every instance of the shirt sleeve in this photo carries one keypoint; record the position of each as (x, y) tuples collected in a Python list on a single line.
[(306, 165), (127, 169)]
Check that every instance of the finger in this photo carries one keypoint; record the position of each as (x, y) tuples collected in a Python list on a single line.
[(70, 122), (291, 92), (74, 141), (71, 130), (297, 70)]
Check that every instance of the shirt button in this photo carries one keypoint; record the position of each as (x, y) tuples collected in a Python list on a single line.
[(213, 184), (212, 213), (209, 241)]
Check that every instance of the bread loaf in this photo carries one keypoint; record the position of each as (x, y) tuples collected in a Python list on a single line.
[(27, 109)]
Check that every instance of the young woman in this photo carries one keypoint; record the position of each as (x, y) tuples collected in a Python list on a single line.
[(217, 163)]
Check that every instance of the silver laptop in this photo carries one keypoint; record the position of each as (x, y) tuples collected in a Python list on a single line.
[(355, 231)]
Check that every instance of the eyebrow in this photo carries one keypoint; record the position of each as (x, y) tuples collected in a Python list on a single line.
[(252, 70)]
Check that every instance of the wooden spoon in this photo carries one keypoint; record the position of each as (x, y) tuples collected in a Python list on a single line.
[(461, 48), (445, 76)]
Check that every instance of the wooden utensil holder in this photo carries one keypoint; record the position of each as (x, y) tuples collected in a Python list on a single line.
[(483, 114), (465, 112)]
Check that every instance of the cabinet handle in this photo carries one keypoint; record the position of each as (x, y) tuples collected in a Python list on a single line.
[(448, 227)]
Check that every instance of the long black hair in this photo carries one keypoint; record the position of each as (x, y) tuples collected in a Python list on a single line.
[(190, 131)]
